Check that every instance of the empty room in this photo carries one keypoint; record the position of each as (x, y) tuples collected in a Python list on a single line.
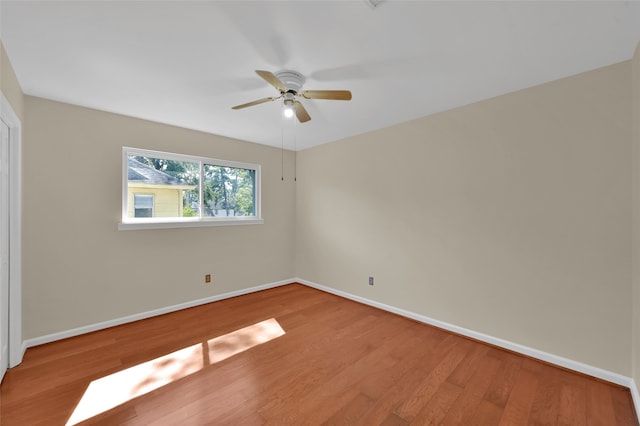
[(320, 212)]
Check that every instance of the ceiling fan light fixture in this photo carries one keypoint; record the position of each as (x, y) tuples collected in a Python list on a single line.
[(288, 105), (288, 112)]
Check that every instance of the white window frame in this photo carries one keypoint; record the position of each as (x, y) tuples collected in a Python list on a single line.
[(128, 223)]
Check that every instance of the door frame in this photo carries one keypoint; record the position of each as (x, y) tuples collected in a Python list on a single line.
[(16, 344)]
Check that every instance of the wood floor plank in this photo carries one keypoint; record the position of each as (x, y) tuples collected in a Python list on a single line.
[(352, 411), (393, 420), (518, 408), (502, 384), (465, 406), (467, 368), (488, 413), (338, 362), (573, 405), (429, 386), (118, 416), (600, 404), (434, 411), (546, 401)]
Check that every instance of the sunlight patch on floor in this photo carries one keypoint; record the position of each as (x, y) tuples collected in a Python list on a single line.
[(115, 389)]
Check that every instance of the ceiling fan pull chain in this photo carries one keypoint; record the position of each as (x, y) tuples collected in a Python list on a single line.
[(282, 145)]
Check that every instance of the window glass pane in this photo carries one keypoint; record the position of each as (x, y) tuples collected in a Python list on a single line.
[(229, 191), (143, 212), (142, 200), (159, 187), (143, 205)]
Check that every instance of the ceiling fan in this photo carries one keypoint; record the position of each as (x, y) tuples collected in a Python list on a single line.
[(289, 83)]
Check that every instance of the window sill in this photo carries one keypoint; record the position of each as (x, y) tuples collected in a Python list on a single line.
[(130, 226)]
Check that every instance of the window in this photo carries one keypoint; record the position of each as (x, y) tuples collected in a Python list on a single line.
[(143, 205), (161, 190)]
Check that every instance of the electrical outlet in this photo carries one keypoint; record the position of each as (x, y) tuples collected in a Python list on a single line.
[(370, 280), (207, 278)]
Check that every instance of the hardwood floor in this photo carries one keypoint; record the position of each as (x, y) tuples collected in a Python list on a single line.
[(338, 362)]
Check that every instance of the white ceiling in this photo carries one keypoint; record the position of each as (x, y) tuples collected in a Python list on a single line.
[(188, 62)]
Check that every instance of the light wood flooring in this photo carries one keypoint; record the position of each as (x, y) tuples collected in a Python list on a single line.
[(333, 361)]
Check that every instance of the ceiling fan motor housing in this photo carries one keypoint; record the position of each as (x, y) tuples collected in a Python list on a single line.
[(292, 80)]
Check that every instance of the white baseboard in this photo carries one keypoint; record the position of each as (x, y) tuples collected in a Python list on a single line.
[(20, 355), (131, 318), (515, 347), (636, 397)]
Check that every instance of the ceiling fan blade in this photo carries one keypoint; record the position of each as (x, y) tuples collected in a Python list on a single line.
[(270, 78), (338, 95), (301, 112), (258, 102)]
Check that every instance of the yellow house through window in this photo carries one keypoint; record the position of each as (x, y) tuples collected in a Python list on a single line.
[(154, 193)]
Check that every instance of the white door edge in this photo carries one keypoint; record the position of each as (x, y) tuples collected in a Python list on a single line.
[(16, 346)]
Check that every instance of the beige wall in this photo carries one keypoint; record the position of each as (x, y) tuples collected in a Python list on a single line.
[(80, 270), (510, 217), (636, 215), (9, 84)]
